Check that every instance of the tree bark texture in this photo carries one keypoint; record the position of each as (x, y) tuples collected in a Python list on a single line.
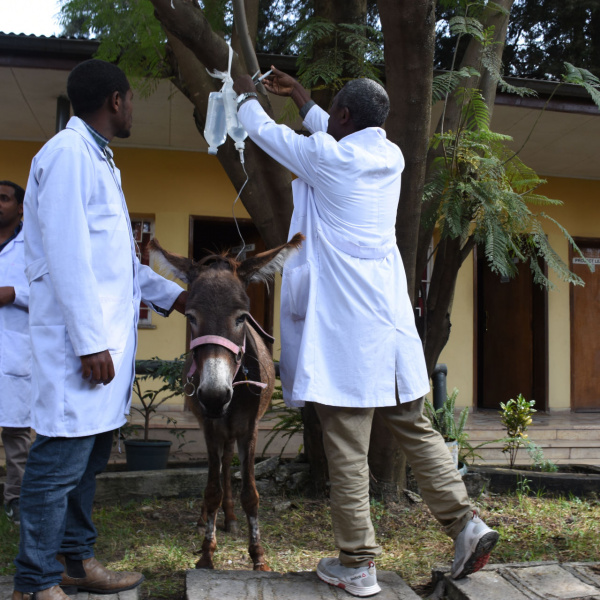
[(267, 195), (409, 36), (314, 450), (387, 463)]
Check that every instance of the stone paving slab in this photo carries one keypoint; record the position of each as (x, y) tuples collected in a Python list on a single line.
[(526, 581), (6, 589), (250, 585)]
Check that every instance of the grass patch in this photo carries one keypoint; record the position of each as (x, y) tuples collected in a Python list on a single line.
[(160, 538)]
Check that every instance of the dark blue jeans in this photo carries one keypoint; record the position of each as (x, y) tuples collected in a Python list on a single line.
[(57, 495)]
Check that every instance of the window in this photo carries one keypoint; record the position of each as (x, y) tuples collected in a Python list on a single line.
[(143, 232)]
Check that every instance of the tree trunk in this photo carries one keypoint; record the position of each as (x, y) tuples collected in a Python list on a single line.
[(387, 463), (313, 448), (267, 195), (409, 34), (448, 260)]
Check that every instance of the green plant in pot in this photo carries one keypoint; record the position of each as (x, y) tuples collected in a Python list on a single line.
[(143, 453), (452, 428), (516, 416)]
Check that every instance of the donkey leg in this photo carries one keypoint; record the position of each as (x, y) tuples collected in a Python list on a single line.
[(213, 495), (250, 499), (231, 524)]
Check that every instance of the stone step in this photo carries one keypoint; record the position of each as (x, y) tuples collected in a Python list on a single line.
[(6, 590), (249, 585), (526, 581)]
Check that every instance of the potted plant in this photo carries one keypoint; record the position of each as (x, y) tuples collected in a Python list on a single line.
[(144, 453), (452, 428)]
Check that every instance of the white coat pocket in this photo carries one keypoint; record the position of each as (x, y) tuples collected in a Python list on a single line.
[(296, 288), (106, 218), (15, 354)]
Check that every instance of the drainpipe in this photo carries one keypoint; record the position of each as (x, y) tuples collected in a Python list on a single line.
[(63, 112), (438, 378)]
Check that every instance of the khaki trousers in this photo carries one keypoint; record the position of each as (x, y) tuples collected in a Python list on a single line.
[(346, 434), (16, 442)]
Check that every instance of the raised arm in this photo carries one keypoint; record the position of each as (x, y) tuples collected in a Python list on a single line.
[(282, 84)]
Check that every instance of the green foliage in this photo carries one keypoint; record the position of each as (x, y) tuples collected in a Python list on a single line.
[(481, 191), (444, 419), (451, 428), (542, 34), (130, 36), (446, 83), (169, 373), (584, 78), (288, 421), (346, 51), (523, 487), (516, 418), (537, 458)]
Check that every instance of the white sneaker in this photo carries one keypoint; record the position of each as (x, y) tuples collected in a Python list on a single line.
[(360, 581), (472, 548)]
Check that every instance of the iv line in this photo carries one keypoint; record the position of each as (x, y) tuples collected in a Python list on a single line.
[(233, 212)]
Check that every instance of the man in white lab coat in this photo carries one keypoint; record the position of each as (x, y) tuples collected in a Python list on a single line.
[(86, 284), (15, 349), (349, 341)]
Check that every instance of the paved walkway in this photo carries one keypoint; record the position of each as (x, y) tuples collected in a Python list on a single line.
[(519, 581)]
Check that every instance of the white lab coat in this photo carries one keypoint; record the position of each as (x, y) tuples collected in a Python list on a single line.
[(15, 349), (86, 285), (348, 331)]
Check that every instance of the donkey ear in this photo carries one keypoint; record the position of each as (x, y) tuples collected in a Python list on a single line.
[(263, 266), (179, 266)]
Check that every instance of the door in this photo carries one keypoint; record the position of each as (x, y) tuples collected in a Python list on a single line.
[(511, 326), (585, 330)]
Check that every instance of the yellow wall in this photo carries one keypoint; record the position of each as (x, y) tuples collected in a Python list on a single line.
[(580, 215), (168, 185)]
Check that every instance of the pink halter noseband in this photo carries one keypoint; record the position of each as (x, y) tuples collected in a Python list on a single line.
[(238, 351)]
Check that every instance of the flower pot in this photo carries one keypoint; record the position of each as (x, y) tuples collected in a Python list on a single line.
[(147, 455), (453, 449)]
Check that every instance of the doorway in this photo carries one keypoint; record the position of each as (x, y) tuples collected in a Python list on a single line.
[(511, 337), (585, 338), (214, 235)]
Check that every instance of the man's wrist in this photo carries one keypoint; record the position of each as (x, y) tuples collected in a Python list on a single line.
[(305, 108), (244, 97)]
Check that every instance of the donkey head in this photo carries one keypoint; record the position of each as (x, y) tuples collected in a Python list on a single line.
[(217, 309)]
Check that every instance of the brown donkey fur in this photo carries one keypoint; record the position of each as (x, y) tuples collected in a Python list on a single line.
[(219, 306)]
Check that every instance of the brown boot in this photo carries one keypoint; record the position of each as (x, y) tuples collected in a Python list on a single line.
[(90, 576), (53, 593)]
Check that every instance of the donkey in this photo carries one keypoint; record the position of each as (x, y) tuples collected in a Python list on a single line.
[(230, 377)]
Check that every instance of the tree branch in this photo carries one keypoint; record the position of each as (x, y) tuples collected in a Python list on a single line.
[(246, 45)]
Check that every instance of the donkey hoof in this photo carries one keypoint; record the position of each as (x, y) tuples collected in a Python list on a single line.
[(205, 563), (231, 526)]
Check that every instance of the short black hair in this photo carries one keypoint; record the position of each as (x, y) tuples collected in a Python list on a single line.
[(367, 101), (19, 191), (91, 82)]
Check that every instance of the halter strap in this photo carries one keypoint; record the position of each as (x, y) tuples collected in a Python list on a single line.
[(239, 352)]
